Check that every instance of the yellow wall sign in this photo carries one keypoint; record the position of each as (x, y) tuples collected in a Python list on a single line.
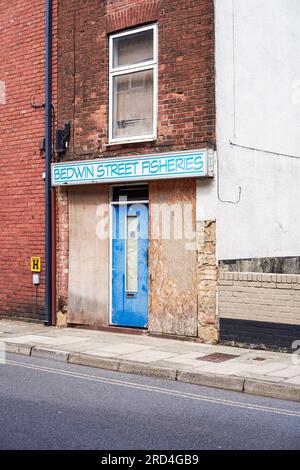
[(35, 264)]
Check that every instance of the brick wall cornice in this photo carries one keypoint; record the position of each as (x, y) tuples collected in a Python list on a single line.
[(139, 13)]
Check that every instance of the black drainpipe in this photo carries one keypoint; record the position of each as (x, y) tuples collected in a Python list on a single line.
[(48, 160)]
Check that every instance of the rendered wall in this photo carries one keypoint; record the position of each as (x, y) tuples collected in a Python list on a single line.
[(258, 218), (258, 107)]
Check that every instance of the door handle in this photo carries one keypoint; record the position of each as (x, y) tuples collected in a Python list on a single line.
[(147, 256)]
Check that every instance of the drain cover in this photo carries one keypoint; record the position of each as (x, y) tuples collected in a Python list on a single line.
[(217, 357), (259, 359)]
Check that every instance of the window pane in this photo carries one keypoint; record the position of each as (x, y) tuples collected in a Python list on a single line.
[(133, 49), (132, 254), (133, 104)]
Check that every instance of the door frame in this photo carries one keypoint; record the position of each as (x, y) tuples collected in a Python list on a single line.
[(111, 204)]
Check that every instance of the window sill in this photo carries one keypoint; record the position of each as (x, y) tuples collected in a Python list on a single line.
[(130, 142)]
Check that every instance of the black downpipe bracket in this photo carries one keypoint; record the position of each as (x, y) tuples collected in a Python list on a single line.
[(48, 160)]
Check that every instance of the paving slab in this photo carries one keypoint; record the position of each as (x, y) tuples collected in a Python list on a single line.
[(183, 347), (98, 352), (28, 339), (147, 356), (125, 348), (227, 368), (174, 365), (191, 359), (262, 378), (294, 380), (76, 346), (287, 372)]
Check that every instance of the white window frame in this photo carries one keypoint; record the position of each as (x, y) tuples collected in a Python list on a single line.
[(123, 70)]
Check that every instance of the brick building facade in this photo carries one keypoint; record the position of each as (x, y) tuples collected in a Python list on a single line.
[(22, 85), (182, 280)]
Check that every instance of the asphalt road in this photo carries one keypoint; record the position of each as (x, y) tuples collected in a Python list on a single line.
[(53, 405)]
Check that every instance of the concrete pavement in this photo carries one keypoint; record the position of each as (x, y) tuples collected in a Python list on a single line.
[(255, 372)]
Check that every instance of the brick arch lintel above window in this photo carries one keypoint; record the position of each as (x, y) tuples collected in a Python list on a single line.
[(145, 12)]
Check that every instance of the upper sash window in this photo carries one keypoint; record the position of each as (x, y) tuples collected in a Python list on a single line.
[(133, 85)]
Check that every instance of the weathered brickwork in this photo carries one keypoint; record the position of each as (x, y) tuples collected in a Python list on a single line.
[(207, 278), (186, 105), (62, 254), (260, 297), (186, 108), (22, 59)]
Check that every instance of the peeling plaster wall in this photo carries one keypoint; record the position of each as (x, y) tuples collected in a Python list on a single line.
[(173, 265), (258, 217), (88, 291), (258, 106)]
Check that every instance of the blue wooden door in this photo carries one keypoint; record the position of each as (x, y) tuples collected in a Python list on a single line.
[(130, 265)]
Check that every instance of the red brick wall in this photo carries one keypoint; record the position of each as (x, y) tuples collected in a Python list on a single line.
[(186, 83), (186, 109), (22, 62)]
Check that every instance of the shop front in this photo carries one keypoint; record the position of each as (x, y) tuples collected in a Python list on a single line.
[(132, 241)]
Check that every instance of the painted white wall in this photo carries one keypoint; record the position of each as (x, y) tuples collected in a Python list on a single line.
[(258, 106), (206, 201)]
